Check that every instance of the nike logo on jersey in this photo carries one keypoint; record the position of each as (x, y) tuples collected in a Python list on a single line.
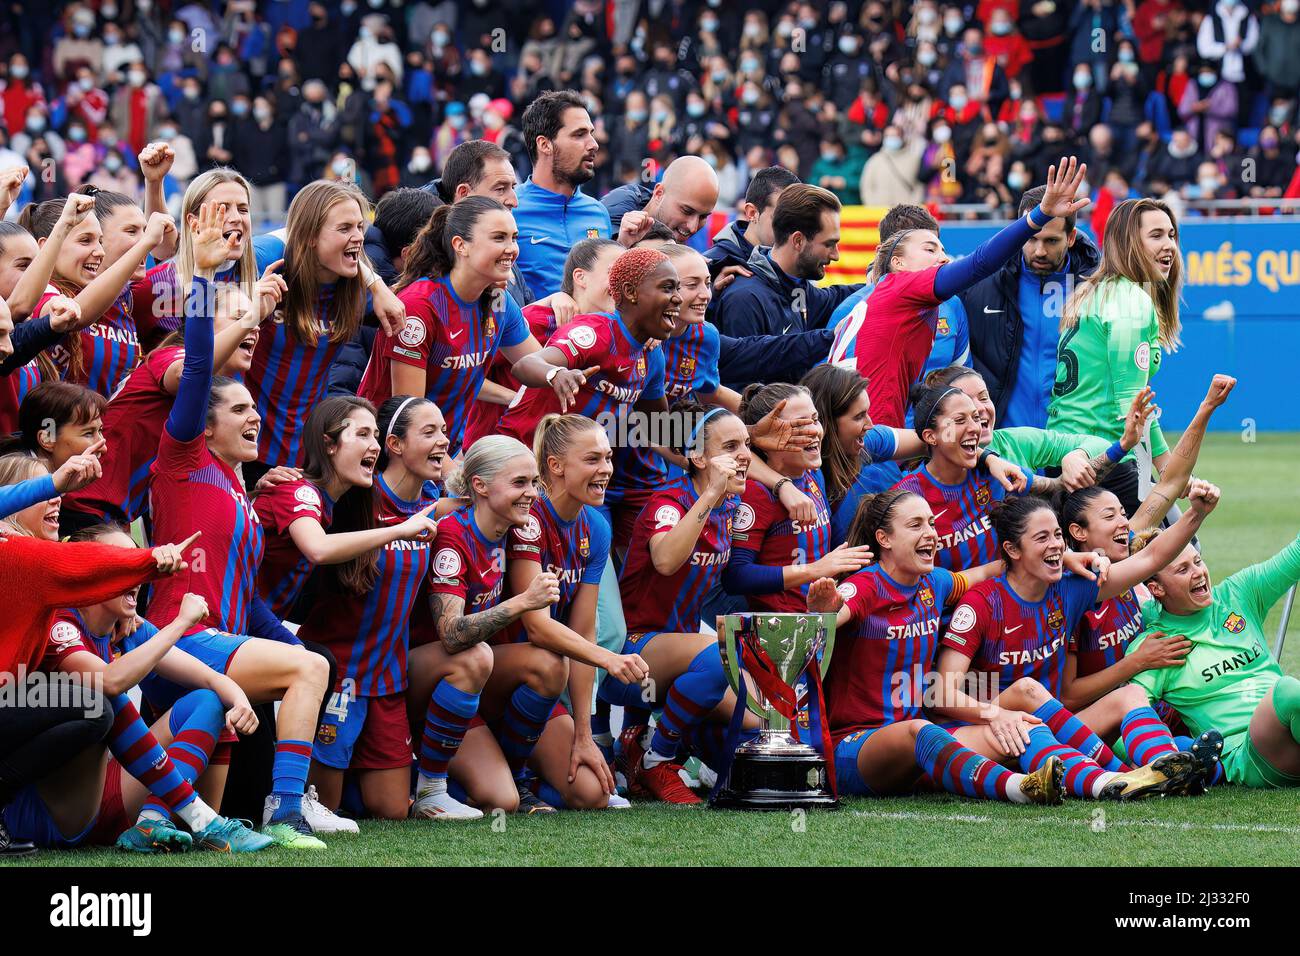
[(1098, 616), (1012, 630), (940, 514), (534, 240), (988, 311), (455, 335), (786, 329), (622, 369)]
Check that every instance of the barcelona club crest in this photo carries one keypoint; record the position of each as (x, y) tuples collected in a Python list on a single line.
[(326, 734), (640, 365), (942, 327), (686, 367), (926, 596), (593, 233), (982, 495), (1235, 623), (584, 546), (1056, 619), (490, 326)]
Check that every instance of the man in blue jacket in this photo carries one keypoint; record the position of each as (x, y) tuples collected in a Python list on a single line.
[(1015, 317), (780, 297), (735, 242), (553, 213), (682, 200)]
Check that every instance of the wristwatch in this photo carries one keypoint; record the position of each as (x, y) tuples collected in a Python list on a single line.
[(550, 376)]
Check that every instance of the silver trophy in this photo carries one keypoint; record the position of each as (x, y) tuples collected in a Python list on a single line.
[(775, 771)]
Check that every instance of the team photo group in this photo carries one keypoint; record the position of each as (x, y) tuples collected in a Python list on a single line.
[(433, 412)]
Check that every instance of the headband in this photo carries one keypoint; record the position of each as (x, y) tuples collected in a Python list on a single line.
[(937, 402), (699, 426), (392, 422)]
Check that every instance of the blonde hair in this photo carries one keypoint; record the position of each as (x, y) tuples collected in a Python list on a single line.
[(1123, 257), (485, 458), (307, 215), (15, 468), (554, 437), (195, 194)]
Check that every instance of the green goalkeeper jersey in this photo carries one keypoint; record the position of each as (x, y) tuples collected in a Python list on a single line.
[(1037, 448), (1230, 668), (1104, 361)]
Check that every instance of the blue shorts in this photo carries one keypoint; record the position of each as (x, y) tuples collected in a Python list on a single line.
[(847, 778), (27, 818), (214, 648), (364, 733), (614, 691)]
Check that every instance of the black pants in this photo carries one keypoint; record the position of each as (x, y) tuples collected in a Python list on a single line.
[(36, 741), (252, 759)]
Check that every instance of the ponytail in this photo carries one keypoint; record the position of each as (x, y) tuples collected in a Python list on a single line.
[(554, 437), (875, 513)]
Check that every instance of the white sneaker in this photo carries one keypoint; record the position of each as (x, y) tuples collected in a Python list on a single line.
[(618, 803), (322, 819), (440, 805), (318, 816)]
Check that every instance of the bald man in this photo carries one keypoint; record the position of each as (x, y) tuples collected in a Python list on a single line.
[(682, 200)]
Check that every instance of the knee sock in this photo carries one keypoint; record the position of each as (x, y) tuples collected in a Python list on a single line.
[(1145, 736), (195, 722), (289, 777), (962, 771), (525, 719), (1071, 731), (445, 724), (140, 755), (690, 699), (1084, 777)]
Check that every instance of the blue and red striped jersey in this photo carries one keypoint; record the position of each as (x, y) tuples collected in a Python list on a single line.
[(484, 415), (468, 565), (370, 634), (133, 422), (691, 361), (878, 473), (110, 349), (627, 374), (961, 514), (882, 656), (764, 527), (1007, 637), (451, 342), (653, 602), (287, 379), (574, 551), (1104, 632), (69, 635), (13, 389), (194, 491), (284, 569)]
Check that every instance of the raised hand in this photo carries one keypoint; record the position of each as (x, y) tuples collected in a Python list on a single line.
[(156, 161), (1063, 184), (211, 248), (1221, 387)]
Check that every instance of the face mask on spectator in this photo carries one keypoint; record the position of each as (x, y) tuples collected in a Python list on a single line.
[(830, 156), (191, 93), (709, 25), (1278, 115), (752, 29), (366, 33), (807, 23), (144, 6), (750, 96), (941, 134), (848, 45), (719, 76), (166, 132), (1267, 142), (440, 37), (695, 110), (1182, 152), (1206, 80), (1000, 27), (420, 163), (927, 57), (893, 143), (748, 66), (661, 116), (1126, 55), (176, 37), (18, 72), (952, 25), (87, 83), (348, 7), (1209, 186), (958, 101), (261, 114), (375, 4), (1016, 181), (82, 30), (78, 135), (35, 125), (926, 15), (457, 121), (1291, 7), (1082, 81), (112, 162), (108, 11), (711, 160), (136, 78), (111, 39), (341, 167), (784, 29), (478, 67), (239, 108), (637, 116)]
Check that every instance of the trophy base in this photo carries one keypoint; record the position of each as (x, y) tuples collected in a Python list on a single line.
[(776, 782)]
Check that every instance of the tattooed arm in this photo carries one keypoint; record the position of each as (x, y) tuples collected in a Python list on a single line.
[(459, 631)]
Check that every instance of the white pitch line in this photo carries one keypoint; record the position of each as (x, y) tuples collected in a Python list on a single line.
[(1071, 822)]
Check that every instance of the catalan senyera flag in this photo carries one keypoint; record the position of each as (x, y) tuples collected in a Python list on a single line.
[(859, 235)]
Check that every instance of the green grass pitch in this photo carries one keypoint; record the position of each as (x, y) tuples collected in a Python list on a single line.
[(1260, 513)]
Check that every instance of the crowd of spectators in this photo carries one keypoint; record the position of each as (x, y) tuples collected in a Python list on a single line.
[(879, 102)]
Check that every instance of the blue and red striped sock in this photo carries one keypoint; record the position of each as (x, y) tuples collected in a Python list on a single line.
[(523, 723), (195, 722), (289, 777), (691, 698), (1074, 733), (1146, 738), (958, 769), (445, 724), (1083, 775), (140, 754)]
